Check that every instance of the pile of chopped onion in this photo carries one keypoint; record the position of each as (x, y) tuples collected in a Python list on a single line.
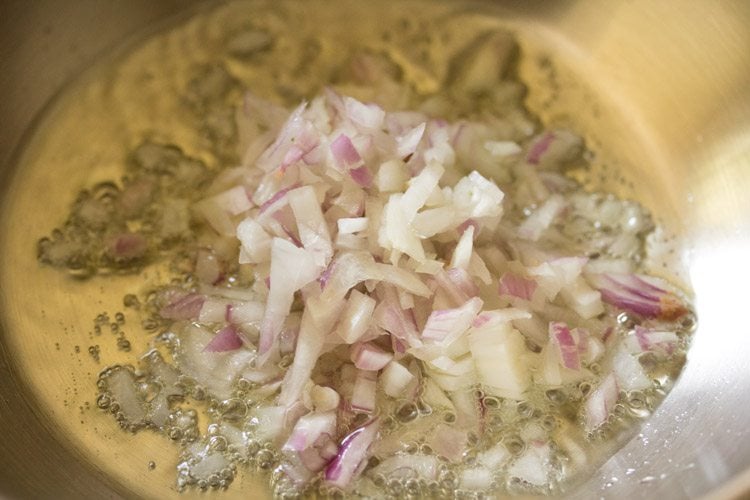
[(373, 241)]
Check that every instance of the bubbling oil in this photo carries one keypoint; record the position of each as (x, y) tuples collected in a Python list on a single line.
[(175, 132)]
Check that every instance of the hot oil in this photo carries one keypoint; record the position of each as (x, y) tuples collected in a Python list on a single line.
[(164, 112)]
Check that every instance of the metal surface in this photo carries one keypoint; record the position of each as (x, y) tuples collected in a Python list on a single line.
[(662, 90)]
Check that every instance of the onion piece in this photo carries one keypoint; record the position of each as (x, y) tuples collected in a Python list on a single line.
[(245, 312), (553, 275), (657, 341), (517, 286), (633, 293), (126, 246), (395, 231), (600, 402), (316, 458), (533, 465), (317, 320), (408, 142), (539, 147), (537, 223), (225, 340), (291, 269), (276, 201), (567, 345), (463, 251), (272, 157), (363, 394), (369, 116), (345, 153), (409, 466), (255, 241), (187, 306), (552, 149), (448, 324), (309, 429), (324, 398), (368, 356), (448, 442), (498, 351), (356, 317), (312, 227), (494, 457), (395, 379), (476, 478), (432, 221), (583, 299), (629, 372), (351, 455), (391, 177), (362, 176), (475, 197), (350, 225), (268, 422), (403, 278), (419, 190)]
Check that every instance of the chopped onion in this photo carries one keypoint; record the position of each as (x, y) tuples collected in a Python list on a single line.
[(408, 142), (356, 317), (629, 372), (533, 466), (517, 286), (419, 190), (498, 352), (362, 176), (660, 342), (476, 197), (187, 306), (494, 457), (126, 246), (407, 466), (583, 299), (539, 147), (538, 222), (268, 422), (633, 293), (349, 225), (291, 269), (600, 402), (553, 275), (352, 453), (369, 116), (225, 340), (448, 324), (344, 153), (311, 225), (391, 177), (448, 442), (463, 251), (368, 356), (395, 379), (476, 478), (372, 259), (567, 345), (309, 428), (214, 310), (324, 398), (256, 243), (245, 312), (363, 395)]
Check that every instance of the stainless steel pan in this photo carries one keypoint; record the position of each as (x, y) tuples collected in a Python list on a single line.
[(662, 87)]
